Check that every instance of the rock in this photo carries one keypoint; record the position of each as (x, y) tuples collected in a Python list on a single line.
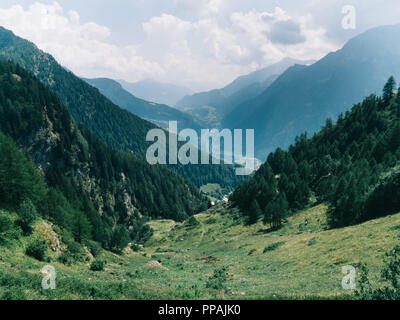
[(155, 265)]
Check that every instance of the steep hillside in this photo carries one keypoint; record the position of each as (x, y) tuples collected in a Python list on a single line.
[(117, 128), (107, 187), (244, 88), (159, 114), (303, 97), (353, 164)]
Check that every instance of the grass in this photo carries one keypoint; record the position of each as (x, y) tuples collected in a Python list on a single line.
[(299, 261)]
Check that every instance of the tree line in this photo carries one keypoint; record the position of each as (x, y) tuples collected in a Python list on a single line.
[(352, 164), (72, 178)]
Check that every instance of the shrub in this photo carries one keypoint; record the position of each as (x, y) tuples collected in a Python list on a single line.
[(390, 274), (312, 241), (14, 294), (76, 250), (5, 223), (97, 265), (141, 233), (27, 213), (273, 246), (211, 221), (37, 249), (8, 229), (74, 253), (218, 280), (66, 258), (94, 248), (119, 239), (135, 247), (192, 222)]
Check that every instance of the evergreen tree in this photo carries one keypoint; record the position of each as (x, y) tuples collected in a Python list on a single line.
[(81, 227), (27, 213), (119, 239), (254, 212), (389, 88), (352, 165)]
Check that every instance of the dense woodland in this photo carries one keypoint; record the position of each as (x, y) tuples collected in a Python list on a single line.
[(354, 165), (118, 128), (82, 185)]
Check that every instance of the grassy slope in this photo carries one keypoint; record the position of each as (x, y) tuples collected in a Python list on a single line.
[(307, 264)]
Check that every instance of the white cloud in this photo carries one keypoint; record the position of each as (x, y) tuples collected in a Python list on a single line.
[(206, 52), (82, 47)]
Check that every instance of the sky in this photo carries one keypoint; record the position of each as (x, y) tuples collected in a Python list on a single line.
[(200, 44)]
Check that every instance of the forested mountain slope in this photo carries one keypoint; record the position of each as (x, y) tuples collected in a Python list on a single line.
[(354, 165), (93, 189), (117, 128), (159, 114)]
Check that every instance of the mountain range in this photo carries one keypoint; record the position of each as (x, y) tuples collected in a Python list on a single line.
[(151, 90), (303, 97), (216, 104)]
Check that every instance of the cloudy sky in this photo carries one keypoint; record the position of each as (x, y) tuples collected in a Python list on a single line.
[(201, 44)]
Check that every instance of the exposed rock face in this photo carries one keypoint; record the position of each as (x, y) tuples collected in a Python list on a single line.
[(45, 231)]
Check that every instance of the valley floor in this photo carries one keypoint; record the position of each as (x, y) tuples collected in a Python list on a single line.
[(300, 261)]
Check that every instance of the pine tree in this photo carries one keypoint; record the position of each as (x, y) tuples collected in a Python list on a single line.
[(119, 239), (389, 88), (254, 212), (81, 228)]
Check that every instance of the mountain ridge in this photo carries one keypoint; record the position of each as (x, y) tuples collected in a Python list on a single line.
[(159, 114), (116, 127), (151, 90), (302, 100)]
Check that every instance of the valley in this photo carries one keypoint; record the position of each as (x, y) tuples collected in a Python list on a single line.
[(298, 261), (103, 198)]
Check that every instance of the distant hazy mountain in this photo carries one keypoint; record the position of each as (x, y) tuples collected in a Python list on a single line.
[(304, 97), (159, 114), (214, 105), (162, 93)]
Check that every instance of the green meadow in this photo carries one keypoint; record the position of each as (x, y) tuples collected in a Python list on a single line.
[(302, 260)]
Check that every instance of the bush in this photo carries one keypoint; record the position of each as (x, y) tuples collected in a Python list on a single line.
[(273, 246), (76, 250), (119, 239), (7, 229), (27, 213), (37, 249), (5, 223), (192, 222), (312, 242), (141, 233), (14, 294), (135, 247), (97, 265), (74, 253), (95, 248), (218, 280), (66, 258), (390, 274)]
